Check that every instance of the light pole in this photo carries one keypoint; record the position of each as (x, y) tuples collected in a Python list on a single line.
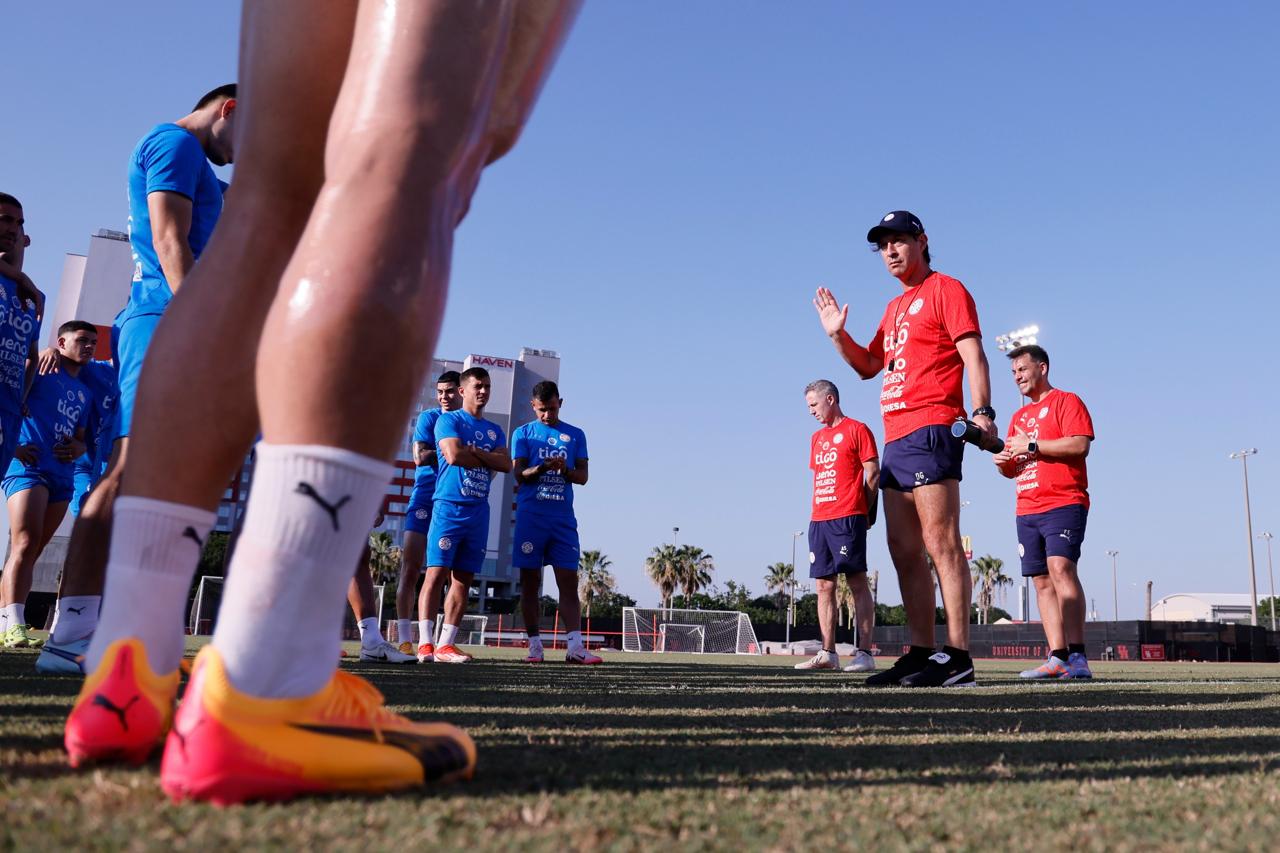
[(675, 537), (1272, 574), (1243, 456), (791, 611), (1115, 593)]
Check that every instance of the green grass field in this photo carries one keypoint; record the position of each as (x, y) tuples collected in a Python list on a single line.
[(689, 752)]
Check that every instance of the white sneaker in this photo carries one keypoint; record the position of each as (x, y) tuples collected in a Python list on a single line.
[(582, 656), (862, 662), (386, 652), (822, 660)]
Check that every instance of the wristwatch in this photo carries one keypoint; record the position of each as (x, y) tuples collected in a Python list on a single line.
[(1033, 447), (985, 411)]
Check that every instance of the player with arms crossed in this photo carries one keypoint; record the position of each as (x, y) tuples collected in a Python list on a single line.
[(1049, 439), (21, 305), (417, 518), (38, 483), (363, 132), (846, 471), (927, 340), (471, 450), (550, 459)]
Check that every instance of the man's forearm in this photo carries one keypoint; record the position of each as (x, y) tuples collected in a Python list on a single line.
[(857, 357), (1070, 447), (979, 380), (176, 260)]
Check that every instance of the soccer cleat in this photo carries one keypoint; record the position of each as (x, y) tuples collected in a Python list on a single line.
[(62, 658), (406, 648), (386, 652), (862, 662), (452, 654), (1078, 666), (1054, 667), (580, 655), (229, 747), (123, 709), (822, 660), (426, 653), (942, 670), (907, 665), (18, 637), (534, 657)]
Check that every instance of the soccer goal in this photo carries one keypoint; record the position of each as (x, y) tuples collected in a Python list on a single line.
[(723, 632), (204, 607), (470, 632)]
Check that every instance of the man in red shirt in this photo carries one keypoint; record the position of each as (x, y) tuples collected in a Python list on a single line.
[(927, 340), (1048, 441), (846, 469)]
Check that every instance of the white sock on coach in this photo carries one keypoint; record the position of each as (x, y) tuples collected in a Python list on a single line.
[(155, 549), (575, 640), (370, 634), (75, 617), (448, 634), (305, 526), (404, 630)]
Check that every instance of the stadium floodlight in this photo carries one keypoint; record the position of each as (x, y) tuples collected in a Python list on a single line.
[(1115, 593), (1017, 338), (675, 537), (1243, 456), (1271, 572)]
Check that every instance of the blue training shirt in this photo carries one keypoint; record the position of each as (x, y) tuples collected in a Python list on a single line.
[(100, 378), (167, 159), (466, 485), (424, 430), (552, 494), (57, 406), (18, 328)]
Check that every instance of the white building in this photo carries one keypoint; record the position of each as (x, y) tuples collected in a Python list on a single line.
[(1204, 607)]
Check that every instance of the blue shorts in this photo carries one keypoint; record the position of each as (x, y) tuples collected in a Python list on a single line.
[(27, 478), (838, 546), (1057, 532), (417, 517), (458, 536), (82, 484), (545, 540), (931, 454), (130, 339), (10, 427)]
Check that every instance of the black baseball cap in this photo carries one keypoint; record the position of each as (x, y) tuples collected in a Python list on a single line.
[(896, 222)]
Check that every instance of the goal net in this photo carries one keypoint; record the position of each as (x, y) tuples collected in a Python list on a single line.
[(723, 632), (204, 607), (470, 632)]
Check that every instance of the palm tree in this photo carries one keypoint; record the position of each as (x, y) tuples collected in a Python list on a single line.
[(696, 567), (594, 578), (844, 599), (663, 568), (777, 579), (384, 557), (988, 573)]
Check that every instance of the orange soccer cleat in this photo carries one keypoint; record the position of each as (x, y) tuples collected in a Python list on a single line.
[(124, 709), (452, 654), (229, 747)]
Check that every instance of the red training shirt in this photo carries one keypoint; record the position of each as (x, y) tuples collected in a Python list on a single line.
[(1045, 484), (923, 371), (836, 454)]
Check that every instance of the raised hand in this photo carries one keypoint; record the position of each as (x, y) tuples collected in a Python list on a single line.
[(832, 315)]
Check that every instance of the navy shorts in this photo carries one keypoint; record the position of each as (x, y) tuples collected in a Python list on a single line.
[(931, 454), (1055, 533), (417, 517), (545, 540), (838, 546)]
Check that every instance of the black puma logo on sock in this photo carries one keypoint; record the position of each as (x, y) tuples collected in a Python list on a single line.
[(190, 533), (103, 702), (331, 508), (76, 610)]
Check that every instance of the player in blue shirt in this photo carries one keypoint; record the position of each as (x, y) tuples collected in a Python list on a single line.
[(417, 519), (174, 203), (550, 458), (37, 484), (20, 307), (470, 450)]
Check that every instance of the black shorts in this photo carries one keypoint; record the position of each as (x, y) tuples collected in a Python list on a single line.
[(838, 546), (1058, 532), (931, 454)]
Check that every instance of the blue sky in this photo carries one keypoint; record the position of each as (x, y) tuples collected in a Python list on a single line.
[(1107, 171)]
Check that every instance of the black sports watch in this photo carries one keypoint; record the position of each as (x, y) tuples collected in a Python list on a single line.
[(1033, 447), (986, 412)]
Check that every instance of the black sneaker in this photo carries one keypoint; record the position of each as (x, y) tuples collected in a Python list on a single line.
[(943, 670), (907, 665)]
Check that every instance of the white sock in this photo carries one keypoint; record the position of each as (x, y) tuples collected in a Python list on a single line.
[(370, 634), (426, 631), (448, 634), (307, 521), (155, 548), (75, 618), (575, 639), (535, 644), (404, 630), (4, 620), (15, 613)]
